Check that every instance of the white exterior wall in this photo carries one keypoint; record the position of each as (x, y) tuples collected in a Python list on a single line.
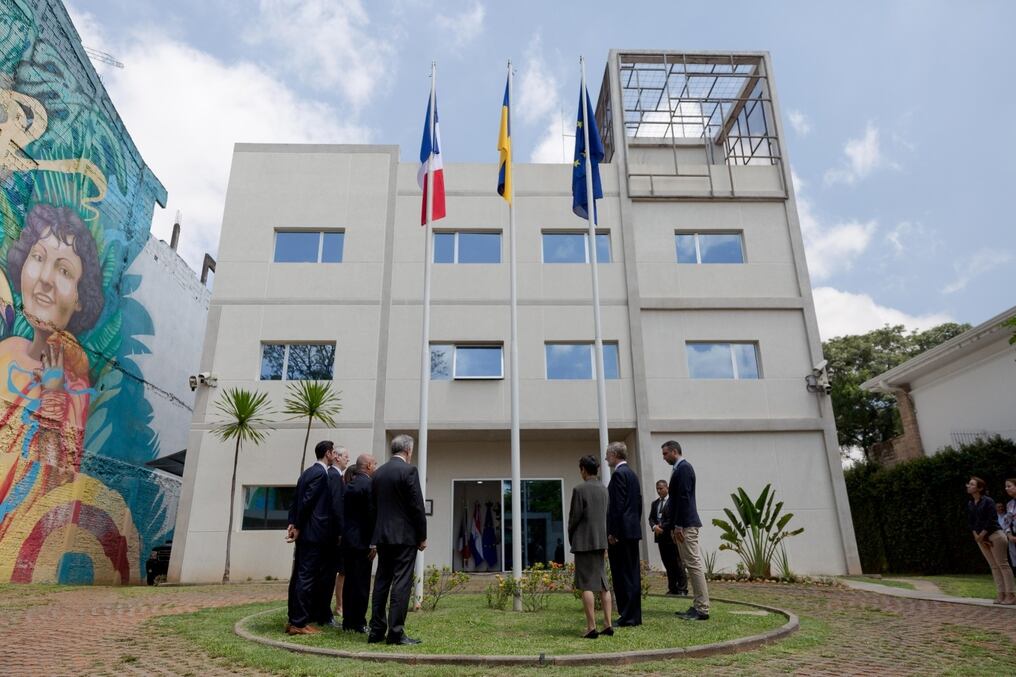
[(178, 305), (736, 433), (973, 394)]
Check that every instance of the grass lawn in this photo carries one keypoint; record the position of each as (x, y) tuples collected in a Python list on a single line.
[(462, 624), (964, 585), (888, 582), (211, 630)]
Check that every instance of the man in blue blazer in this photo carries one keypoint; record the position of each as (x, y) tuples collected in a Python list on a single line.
[(310, 526), (624, 531), (681, 520)]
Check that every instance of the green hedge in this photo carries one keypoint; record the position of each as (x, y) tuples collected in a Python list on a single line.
[(912, 518)]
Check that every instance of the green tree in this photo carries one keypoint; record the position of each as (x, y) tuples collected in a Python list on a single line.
[(244, 419), (313, 400), (864, 419)]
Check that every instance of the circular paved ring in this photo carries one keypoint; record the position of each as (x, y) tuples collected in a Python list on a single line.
[(613, 658)]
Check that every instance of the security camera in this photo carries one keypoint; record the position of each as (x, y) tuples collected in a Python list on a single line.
[(192, 381), (820, 367), (208, 379)]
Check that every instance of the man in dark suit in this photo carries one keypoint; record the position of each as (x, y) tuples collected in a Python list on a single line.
[(332, 554), (310, 527), (399, 532), (681, 520), (356, 552), (677, 580), (624, 531)]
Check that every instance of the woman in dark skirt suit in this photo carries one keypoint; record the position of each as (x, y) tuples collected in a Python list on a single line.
[(587, 532)]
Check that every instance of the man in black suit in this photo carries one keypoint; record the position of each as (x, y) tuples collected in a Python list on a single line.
[(310, 519), (624, 531), (356, 551), (681, 520), (677, 580), (399, 532), (332, 554)]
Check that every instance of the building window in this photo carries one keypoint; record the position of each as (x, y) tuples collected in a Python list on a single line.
[(467, 247), (723, 360), (297, 361), (449, 361), (573, 247), (267, 507), (577, 361), (309, 246), (709, 248)]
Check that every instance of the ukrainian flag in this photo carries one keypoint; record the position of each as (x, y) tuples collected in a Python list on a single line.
[(504, 147)]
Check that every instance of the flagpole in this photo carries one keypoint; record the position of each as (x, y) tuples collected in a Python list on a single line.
[(425, 356), (601, 385), (514, 358)]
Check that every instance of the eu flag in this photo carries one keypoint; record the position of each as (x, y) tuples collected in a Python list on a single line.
[(580, 201)]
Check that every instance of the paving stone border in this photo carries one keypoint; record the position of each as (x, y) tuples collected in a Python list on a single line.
[(612, 658)]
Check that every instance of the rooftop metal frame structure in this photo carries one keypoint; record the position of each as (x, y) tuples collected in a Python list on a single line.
[(723, 102)]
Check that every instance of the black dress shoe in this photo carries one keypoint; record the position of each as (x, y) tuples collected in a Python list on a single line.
[(608, 631), (690, 611), (592, 634), (375, 639), (695, 615), (404, 640)]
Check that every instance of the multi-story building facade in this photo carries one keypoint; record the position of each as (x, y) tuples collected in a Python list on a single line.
[(707, 317)]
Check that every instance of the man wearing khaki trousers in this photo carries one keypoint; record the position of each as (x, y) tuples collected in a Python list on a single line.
[(681, 520)]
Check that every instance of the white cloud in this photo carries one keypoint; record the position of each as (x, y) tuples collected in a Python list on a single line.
[(841, 313), (830, 248), (539, 102), (974, 265), (326, 44), (799, 121), (863, 156), (465, 27), (185, 109)]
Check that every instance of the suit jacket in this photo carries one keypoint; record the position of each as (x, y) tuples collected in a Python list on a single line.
[(336, 503), (682, 511), (359, 511), (311, 511), (587, 516), (656, 518), (398, 504), (624, 511)]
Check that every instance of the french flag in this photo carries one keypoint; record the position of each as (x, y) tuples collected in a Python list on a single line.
[(430, 158)]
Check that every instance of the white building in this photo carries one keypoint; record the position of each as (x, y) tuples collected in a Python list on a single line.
[(706, 304), (955, 393)]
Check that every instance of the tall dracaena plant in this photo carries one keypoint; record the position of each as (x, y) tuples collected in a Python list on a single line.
[(244, 419), (315, 401), (756, 531)]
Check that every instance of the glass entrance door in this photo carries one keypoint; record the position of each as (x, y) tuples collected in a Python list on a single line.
[(542, 522)]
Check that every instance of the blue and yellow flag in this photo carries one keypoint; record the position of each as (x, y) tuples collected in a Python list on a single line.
[(580, 201), (504, 147)]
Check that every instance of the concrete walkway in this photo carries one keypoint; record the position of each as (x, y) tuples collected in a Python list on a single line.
[(926, 591)]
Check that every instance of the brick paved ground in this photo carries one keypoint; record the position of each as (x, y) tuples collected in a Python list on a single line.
[(96, 631)]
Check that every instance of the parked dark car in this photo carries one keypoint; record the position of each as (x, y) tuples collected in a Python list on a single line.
[(158, 562)]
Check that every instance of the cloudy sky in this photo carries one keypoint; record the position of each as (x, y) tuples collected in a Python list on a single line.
[(896, 111)]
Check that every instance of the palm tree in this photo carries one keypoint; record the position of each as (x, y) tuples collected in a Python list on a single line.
[(244, 420), (311, 400)]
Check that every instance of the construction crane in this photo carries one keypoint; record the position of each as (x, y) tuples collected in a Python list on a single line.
[(99, 55)]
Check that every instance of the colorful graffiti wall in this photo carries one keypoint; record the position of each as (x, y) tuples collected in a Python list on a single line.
[(77, 504)]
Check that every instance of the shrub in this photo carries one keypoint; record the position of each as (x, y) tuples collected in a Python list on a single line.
[(500, 592), (439, 582), (536, 584), (911, 518), (756, 531)]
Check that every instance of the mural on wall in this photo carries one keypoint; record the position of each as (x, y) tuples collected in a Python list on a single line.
[(77, 504)]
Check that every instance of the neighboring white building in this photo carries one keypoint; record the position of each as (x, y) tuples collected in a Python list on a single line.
[(955, 393), (706, 305)]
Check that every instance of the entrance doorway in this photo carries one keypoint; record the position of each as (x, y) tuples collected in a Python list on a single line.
[(483, 524)]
